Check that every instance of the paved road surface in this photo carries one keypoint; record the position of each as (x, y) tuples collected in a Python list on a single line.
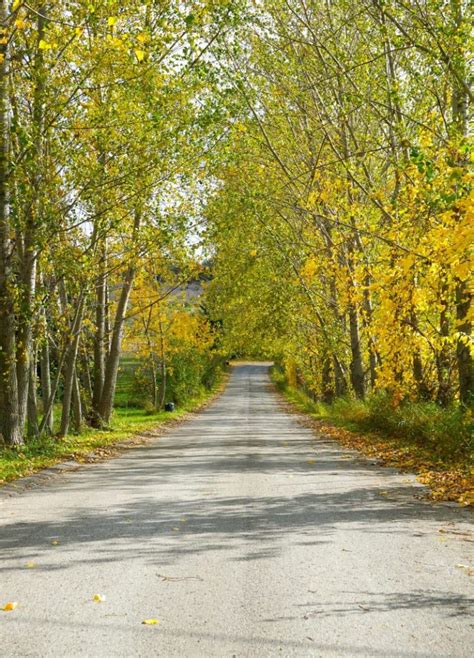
[(245, 536)]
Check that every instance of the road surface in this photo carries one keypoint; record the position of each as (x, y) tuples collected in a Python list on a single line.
[(244, 535)]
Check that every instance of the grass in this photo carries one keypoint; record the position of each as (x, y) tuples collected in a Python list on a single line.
[(127, 422)]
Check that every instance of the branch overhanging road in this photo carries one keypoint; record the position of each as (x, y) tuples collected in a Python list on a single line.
[(244, 535)]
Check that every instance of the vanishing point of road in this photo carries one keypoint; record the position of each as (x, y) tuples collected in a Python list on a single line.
[(244, 534)]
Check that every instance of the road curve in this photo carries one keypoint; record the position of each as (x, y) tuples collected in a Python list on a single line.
[(244, 535)]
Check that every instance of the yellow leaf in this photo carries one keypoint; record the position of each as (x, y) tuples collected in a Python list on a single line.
[(98, 598), (55, 542), (111, 21), (44, 45), (142, 38), (79, 31), (20, 24), (311, 461), (150, 622), (31, 565), (140, 55), (16, 4), (11, 605)]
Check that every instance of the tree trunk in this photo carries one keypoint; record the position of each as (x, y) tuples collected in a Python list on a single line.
[(463, 293), (70, 369), (29, 251), (339, 378), (9, 417), (100, 336), (45, 378), (32, 407), (113, 358), (357, 369), (112, 363), (443, 364), (76, 403), (327, 389)]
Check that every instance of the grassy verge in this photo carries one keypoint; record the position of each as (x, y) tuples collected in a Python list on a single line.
[(435, 443), (127, 422)]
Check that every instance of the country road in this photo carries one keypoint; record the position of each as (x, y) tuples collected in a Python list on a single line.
[(244, 535)]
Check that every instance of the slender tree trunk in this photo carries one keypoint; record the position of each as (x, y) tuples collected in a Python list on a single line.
[(113, 358), (70, 369), (327, 389), (443, 360), (48, 405), (163, 381), (357, 369), (100, 335), (76, 403), (45, 377), (86, 376), (463, 354), (9, 417), (112, 364), (32, 409), (463, 299), (29, 252), (339, 378)]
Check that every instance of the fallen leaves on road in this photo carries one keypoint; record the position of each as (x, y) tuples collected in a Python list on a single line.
[(445, 481), (150, 622), (99, 598), (11, 605), (469, 570)]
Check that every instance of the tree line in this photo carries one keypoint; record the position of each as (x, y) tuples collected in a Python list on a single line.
[(106, 119), (343, 224)]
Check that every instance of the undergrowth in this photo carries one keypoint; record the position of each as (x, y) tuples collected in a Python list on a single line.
[(435, 442)]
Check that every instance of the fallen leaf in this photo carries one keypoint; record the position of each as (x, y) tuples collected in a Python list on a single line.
[(31, 565), (55, 542), (150, 622), (99, 598), (11, 605), (311, 461)]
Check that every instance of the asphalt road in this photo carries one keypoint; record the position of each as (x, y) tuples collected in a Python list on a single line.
[(244, 535)]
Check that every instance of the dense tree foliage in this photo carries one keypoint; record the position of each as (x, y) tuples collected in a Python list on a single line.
[(343, 221), (323, 146), (106, 118)]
